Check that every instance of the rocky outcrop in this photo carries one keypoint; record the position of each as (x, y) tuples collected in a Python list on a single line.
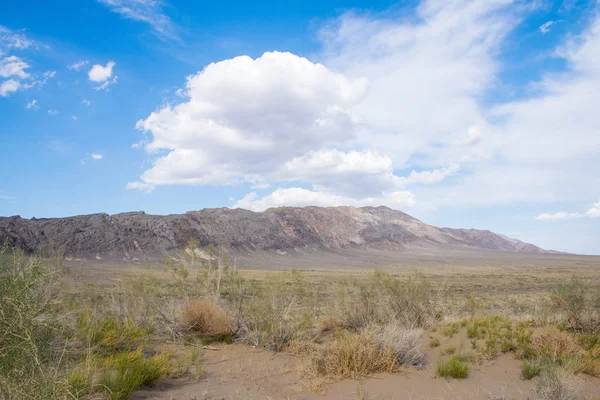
[(140, 235)]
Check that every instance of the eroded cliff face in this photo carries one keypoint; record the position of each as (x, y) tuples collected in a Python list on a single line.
[(139, 235)]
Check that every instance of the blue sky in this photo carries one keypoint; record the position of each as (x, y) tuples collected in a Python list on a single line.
[(464, 114)]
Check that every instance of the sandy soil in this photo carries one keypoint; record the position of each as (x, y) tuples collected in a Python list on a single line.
[(241, 372)]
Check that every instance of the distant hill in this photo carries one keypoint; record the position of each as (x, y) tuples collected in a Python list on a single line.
[(138, 235)]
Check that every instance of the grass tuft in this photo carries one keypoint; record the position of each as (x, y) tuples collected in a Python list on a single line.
[(207, 319), (125, 372), (452, 367), (530, 369), (354, 355)]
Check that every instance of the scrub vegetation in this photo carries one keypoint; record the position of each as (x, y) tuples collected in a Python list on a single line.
[(62, 336)]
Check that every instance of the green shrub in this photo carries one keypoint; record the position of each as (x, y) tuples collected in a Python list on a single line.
[(579, 303), (110, 334), (490, 348), (530, 369), (450, 329), (434, 342), (452, 367), (30, 343), (125, 372)]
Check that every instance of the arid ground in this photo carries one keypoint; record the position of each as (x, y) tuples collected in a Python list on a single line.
[(475, 286)]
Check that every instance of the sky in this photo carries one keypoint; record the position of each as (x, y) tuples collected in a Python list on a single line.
[(464, 114)]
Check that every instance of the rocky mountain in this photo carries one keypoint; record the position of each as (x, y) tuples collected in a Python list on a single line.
[(140, 235)]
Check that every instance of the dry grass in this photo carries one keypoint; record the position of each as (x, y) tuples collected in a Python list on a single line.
[(553, 346), (557, 383), (354, 355), (207, 319), (404, 342)]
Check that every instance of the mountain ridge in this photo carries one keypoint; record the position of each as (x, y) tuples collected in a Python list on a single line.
[(137, 235)]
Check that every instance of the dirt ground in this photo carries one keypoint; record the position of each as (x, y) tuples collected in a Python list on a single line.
[(241, 372), (236, 371)]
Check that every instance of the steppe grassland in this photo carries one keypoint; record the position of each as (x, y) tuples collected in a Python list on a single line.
[(100, 331)]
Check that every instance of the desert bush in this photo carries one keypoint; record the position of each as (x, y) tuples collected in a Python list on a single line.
[(579, 303), (207, 319), (448, 350), (453, 366), (557, 383), (359, 305), (30, 343), (125, 372), (354, 355), (107, 334), (434, 342), (404, 342), (450, 329), (276, 311), (553, 346), (530, 369), (414, 302)]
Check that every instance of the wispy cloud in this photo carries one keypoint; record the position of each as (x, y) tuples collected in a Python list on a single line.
[(14, 39), (106, 84), (545, 27), (593, 212), (141, 186), (86, 102), (96, 156), (52, 112), (146, 11), (32, 104), (78, 65)]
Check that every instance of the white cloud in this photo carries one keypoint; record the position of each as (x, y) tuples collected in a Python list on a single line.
[(45, 76), (391, 94), (302, 197), (32, 104), (431, 177), (96, 156), (74, 117), (545, 27), (9, 86), (100, 73), (592, 212), (246, 118), (12, 39), (86, 102), (142, 186), (52, 112), (473, 136), (147, 11), (77, 65), (559, 216), (364, 173), (13, 66), (106, 84)]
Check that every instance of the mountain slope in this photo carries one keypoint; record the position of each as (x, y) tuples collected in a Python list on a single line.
[(139, 235)]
